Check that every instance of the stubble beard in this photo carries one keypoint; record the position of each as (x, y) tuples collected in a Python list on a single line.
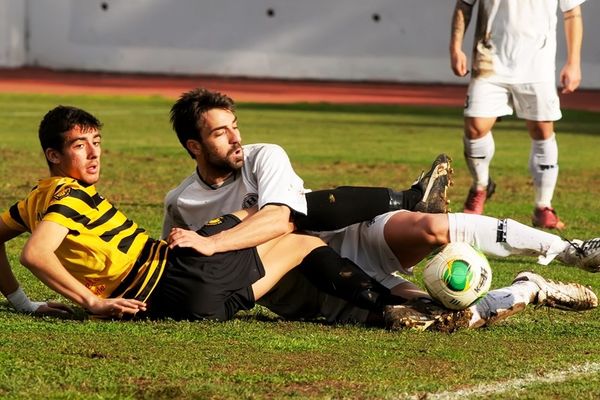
[(227, 165)]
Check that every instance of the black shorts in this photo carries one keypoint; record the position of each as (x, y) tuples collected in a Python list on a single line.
[(194, 286)]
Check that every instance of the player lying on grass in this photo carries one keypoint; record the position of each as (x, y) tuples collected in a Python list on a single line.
[(85, 249), (82, 247), (229, 176)]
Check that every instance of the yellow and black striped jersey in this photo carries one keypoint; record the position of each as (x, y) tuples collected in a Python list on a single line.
[(108, 253)]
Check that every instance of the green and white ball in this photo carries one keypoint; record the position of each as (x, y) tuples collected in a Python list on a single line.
[(457, 275)]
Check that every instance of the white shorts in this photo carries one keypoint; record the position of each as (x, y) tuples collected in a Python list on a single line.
[(364, 243), (531, 101)]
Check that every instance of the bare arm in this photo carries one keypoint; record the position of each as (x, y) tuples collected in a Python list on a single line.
[(8, 282), (38, 255), (10, 288), (460, 22), (257, 227), (570, 75)]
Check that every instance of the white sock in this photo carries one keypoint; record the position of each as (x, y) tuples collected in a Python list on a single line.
[(504, 237), (543, 166), (478, 155), (502, 299)]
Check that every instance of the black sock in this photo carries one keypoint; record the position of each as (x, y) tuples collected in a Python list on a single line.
[(342, 278), (405, 200), (346, 205)]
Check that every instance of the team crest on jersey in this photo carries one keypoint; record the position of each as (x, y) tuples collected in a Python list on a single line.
[(249, 201), (215, 221), (62, 193)]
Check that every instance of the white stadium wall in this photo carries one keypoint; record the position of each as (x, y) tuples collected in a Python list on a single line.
[(12, 33), (385, 40)]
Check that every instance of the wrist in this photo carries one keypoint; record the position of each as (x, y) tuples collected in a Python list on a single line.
[(19, 300)]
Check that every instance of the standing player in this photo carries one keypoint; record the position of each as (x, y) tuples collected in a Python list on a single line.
[(229, 176), (513, 69)]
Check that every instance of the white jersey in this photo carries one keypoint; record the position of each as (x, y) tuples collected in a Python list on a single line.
[(267, 177), (515, 40)]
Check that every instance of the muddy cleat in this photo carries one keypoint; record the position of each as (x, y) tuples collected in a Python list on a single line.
[(545, 217), (582, 254), (424, 315), (565, 296), (477, 198), (434, 185)]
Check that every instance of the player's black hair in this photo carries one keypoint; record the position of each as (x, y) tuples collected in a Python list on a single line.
[(60, 120), (187, 113)]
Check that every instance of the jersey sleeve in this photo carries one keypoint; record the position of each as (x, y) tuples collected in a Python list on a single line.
[(277, 181), (172, 217), (13, 218), (566, 5)]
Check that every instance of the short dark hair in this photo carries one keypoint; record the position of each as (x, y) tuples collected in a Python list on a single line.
[(60, 120), (187, 112)]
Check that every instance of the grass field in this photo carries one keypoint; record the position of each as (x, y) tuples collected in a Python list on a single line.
[(538, 354)]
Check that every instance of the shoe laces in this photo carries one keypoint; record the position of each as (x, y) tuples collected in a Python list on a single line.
[(587, 245)]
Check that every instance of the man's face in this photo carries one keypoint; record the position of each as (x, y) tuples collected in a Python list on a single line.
[(221, 141), (79, 157)]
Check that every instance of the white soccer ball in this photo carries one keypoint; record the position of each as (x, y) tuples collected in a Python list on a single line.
[(457, 275)]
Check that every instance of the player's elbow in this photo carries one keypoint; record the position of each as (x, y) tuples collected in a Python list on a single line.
[(281, 219), (31, 257)]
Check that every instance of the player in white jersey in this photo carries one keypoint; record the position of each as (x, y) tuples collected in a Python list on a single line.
[(231, 175), (513, 70)]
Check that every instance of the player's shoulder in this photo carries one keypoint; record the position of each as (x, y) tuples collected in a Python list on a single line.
[(59, 187), (262, 152), (262, 147), (175, 193)]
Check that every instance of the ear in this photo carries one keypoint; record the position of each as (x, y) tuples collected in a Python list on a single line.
[(52, 155), (194, 146)]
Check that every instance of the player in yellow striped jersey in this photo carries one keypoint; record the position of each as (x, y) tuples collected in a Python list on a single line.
[(85, 249)]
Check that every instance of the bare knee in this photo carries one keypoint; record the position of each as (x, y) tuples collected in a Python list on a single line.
[(434, 229)]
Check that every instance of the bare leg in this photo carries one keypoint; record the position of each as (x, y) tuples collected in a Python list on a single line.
[(412, 236), (281, 255)]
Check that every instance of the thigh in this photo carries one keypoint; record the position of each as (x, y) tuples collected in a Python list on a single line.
[(487, 100), (536, 101)]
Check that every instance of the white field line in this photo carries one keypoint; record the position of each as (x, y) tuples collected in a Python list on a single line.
[(574, 371)]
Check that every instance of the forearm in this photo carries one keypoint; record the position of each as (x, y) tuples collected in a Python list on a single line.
[(460, 22), (573, 35), (48, 269), (270, 222)]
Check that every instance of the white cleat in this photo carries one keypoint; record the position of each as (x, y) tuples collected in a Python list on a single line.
[(583, 254), (565, 296)]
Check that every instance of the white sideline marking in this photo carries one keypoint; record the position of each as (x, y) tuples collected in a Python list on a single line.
[(514, 384)]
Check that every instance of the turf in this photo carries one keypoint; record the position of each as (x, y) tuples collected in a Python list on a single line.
[(257, 356)]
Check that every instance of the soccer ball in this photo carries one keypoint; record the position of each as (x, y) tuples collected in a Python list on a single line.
[(457, 275)]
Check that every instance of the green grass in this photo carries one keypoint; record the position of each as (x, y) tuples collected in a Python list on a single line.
[(257, 356)]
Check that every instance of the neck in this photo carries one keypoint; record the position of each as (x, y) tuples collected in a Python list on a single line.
[(213, 178)]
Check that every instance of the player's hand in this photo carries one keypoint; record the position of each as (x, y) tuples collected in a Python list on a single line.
[(458, 62), (190, 239), (570, 78), (54, 309), (116, 308)]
